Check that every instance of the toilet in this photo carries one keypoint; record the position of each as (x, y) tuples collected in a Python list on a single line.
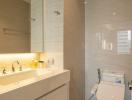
[(111, 86)]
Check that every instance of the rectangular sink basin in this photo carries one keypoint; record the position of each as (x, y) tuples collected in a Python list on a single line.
[(14, 77), (26, 74)]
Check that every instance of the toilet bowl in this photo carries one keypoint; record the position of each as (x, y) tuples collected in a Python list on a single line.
[(111, 86), (110, 91)]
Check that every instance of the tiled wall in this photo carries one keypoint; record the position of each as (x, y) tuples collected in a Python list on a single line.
[(104, 19), (53, 31)]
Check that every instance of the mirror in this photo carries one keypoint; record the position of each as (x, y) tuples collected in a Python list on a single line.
[(15, 26)]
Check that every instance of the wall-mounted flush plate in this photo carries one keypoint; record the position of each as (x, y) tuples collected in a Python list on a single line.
[(130, 85)]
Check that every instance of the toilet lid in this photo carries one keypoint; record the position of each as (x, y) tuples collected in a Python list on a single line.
[(110, 91)]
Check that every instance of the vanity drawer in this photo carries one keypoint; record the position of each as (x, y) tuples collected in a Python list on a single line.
[(60, 93)]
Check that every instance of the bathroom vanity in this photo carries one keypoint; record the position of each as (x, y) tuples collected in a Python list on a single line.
[(33, 26), (48, 84)]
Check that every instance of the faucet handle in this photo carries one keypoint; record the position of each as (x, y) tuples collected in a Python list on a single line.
[(20, 66), (18, 62)]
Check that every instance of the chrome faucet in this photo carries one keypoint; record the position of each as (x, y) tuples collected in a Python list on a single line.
[(20, 66), (13, 68), (4, 71)]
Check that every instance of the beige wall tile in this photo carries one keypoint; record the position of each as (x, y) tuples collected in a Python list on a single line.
[(104, 19)]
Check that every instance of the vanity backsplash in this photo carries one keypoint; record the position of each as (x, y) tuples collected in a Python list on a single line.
[(8, 61)]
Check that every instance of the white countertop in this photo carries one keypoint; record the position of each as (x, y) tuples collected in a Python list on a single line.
[(46, 73)]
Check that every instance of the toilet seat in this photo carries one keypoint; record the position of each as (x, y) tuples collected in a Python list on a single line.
[(110, 91)]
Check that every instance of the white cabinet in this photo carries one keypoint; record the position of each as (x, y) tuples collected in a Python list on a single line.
[(61, 93), (51, 87), (37, 26)]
